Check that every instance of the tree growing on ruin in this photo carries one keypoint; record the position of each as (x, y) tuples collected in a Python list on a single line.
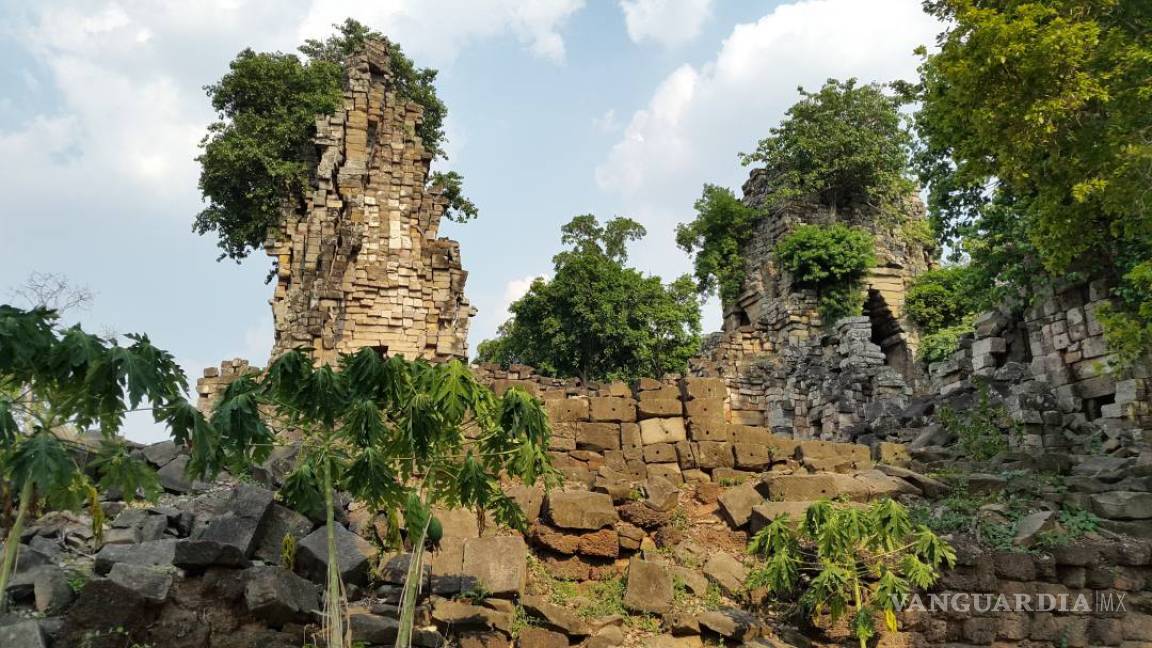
[(832, 260), (63, 395), (846, 559), (256, 157), (1035, 128), (395, 434), (597, 319), (843, 147)]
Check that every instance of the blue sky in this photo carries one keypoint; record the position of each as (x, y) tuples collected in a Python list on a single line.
[(556, 108)]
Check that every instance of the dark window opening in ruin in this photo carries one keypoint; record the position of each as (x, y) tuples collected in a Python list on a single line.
[(382, 351), (888, 335), (1093, 406), (743, 315)]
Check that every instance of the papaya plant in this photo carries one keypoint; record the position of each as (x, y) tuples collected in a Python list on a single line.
[(56, 385), (847, 559), (398, 435)]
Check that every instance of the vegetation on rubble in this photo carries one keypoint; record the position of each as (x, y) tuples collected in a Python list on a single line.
[(831, 259), (983, 430), (597, 319), (842, 559), (717, 236), (843, 146), (257, 156), (63, 395), (1034, 144), (393, 433), (942, 303)]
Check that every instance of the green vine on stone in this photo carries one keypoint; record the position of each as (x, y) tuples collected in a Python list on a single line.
[(832, 259)]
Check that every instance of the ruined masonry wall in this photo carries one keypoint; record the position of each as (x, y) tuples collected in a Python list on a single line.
[(359, 264)]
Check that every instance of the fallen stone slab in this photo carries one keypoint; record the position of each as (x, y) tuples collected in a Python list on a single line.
[(278, 597), (581, 510), (373, 629), (737, 502), (157, 553), (930, 487), (727, 572), (1123, 505), (498, 565), (649, 587), (23, 634), (731, 623), (354, 555), (458, 614), (281, 521), (555, 616), (240, 522), (149, 583)]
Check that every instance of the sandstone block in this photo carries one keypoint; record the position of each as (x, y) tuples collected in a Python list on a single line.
[(581, 510), (612, 409), (662, 430), (648, 408), (498, 564), (566, 410), (649, 587), (710, 430), (694, 388), (598, 436), (752, 456), (705, 408), (713, 454), (737, 502), (660, 453)]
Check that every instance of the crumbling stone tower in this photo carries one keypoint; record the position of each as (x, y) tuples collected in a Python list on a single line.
[(791, 371), (359, 263)]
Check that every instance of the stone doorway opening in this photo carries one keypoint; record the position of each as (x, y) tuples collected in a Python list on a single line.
[(888, 334)]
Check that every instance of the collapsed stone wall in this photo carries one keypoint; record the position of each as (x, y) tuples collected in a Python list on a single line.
[(359, 263), (788, 369)]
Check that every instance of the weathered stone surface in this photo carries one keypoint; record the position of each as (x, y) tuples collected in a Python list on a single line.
[(373, 629), (860, 488), (581, 510), (727, 572), (51, 590), (281, 521), (498, 565), (598, 436), (838, 454), (737, 502), (893, 454), (1031, 526), (651, 407), (649, 588), (764, 513), (752, 456), (731, 623), (149, 583), (604, 543), (22, 634), (353, 555), (279, 597), (1123, 505), (458, 614), (695, 388), (173, 476), (662, 430), (714, 454), (157, 553), (556, 617), (611, 409), (704, 408), (540, 638), (159, 454)]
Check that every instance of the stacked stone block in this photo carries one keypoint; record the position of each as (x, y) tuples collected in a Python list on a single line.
[(360, 264)]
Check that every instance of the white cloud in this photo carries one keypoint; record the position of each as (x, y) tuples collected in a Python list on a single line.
[(699, 118), (514, 290), (668, 22), (607, 123), (435, 32)]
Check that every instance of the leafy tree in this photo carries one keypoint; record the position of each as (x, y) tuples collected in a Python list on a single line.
[(597, 319), (56, 384), (832, 259), (842, 146), (1035, 124), (396, 434), (842, 558), (941, 297), (722, 227), (256, 157)]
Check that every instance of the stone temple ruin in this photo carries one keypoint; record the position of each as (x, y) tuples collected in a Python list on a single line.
[(359, 263), (778, 410)]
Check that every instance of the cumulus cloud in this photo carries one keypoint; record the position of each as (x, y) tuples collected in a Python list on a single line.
[(667, 22), (435, 32), (514, 290)]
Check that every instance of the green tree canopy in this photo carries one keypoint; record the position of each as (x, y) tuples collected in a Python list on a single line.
[(843, 146), (1036, 124), (832, 259), (597, 319), (256, 157), (722, 227), (56, 385)]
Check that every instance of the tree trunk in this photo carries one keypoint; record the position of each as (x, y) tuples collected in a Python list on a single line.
[(334, 596), (412, 582), (12, 544)]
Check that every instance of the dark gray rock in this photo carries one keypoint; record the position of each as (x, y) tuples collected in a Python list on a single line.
[(239, 525), (200, 554), (149, 583), (160, 454), (156, 553), (281, 521), (279, 597), (353, 555), (173, 476), (373, 629), (51, 590), (23, 634)]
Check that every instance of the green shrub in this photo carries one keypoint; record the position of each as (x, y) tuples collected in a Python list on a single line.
[(940, 298), (842, 559), (723, 225), (831, 259), (982, 431), (940, 345)]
